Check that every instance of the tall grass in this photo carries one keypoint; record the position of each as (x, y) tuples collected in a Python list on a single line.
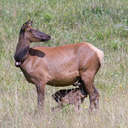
[(103, 23)]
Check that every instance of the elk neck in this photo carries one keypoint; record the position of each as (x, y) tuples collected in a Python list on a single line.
[(22, 49)]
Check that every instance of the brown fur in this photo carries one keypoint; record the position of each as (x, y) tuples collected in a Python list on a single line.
[(73, 96), (57, 66)]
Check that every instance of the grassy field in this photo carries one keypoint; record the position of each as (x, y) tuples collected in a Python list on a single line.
[(103, 23)]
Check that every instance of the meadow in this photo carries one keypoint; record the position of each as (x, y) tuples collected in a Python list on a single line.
[(103, 23)]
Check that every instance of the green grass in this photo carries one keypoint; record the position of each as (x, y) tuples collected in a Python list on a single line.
[(103, 23)]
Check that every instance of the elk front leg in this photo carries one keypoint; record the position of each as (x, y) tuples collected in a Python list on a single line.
[(58, 107), (41, 96)]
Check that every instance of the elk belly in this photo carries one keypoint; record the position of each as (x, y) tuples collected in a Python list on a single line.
[(64, 79)]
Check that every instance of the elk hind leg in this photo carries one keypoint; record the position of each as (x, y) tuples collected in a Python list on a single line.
[(88, 79)]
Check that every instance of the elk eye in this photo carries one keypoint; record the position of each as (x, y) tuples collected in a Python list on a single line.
[(28, 30)]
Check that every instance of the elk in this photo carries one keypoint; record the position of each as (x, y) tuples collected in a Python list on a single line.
[(73, 96), (59, 66)]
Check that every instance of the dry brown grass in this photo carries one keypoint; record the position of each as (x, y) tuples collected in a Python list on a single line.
[(113, 112)]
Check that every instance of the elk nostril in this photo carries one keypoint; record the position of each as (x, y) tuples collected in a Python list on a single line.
[(49, 37)]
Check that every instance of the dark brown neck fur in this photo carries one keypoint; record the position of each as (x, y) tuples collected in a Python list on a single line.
[(22, 48)]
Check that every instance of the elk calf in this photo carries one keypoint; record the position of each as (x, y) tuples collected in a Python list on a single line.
[(73, 96)]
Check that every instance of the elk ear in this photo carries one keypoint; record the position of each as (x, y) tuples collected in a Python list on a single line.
[(26, 25), (29, 23)]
